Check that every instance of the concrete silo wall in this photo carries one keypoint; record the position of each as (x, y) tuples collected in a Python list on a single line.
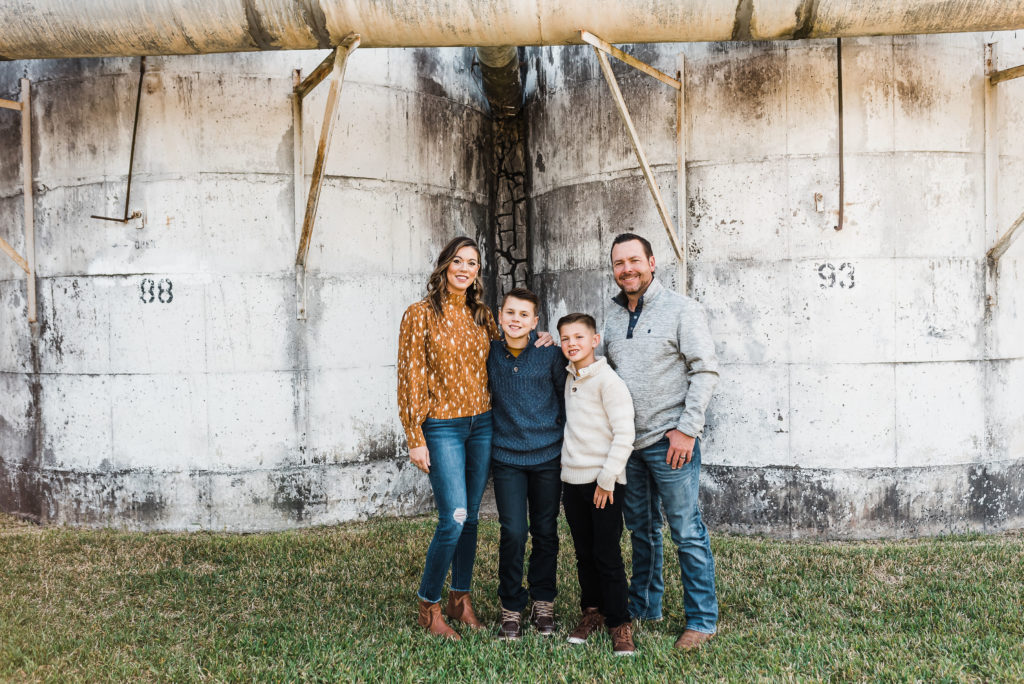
[(169, 384), (866, 388)]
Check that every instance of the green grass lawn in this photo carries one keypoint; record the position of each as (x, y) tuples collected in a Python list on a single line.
[(338, 604)]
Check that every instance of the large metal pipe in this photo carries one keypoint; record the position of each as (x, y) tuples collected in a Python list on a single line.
[(35, 29), (499, 67)]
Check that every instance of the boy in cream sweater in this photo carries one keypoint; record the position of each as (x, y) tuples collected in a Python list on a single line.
[(598, 440)]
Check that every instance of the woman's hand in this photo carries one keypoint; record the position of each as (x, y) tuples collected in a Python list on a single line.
[(544, 339), (603, 496), (420, 457)]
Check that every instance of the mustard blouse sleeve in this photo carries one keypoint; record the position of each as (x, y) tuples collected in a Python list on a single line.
[(413, 384)]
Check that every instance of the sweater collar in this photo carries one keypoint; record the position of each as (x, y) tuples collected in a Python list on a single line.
[(529, 343), (588, 372), (649, 295)]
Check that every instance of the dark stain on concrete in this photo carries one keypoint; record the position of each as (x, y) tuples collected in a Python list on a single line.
[(382, 444), (913, 92), (994, 496), (750, 83), (298, 493), (20, 493), (785, 501), (428, 72), (91, 498)]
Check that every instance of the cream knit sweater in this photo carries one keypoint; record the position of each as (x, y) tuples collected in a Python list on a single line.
[(598, 426)]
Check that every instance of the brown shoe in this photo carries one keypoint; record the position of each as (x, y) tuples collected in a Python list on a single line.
[(590, 622), (622, 639), (692, 639), (430, 617), (510, 629), (460, 608), (542, 615)]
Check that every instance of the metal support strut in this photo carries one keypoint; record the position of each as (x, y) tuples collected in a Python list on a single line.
[(333, 65), (602, 49), (131, 155), (27, 262), (839, 97)]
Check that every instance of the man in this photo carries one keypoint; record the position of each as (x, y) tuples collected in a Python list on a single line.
[(659, 343)]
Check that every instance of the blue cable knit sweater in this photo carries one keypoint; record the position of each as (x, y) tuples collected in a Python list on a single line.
[(528, 401)]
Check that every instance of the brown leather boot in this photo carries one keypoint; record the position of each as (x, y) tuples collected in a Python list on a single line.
[(460, 608), (692, 639), (430, 617)]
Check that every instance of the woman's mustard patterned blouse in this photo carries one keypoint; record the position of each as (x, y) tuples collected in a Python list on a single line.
[(442, 364)]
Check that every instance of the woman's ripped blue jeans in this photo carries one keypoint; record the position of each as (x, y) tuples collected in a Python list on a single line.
[(460, 459)]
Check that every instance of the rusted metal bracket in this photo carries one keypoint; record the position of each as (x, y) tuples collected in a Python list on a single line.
[(333, 66), (27, 262), (602, 49), (131, 156)]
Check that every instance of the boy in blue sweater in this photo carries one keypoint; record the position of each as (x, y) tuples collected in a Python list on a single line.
[(527, 396)]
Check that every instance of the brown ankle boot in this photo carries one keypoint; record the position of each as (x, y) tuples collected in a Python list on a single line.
[(460, 608), (430, 617)]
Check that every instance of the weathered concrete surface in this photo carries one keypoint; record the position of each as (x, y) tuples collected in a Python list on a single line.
[(169, 384), (866, 389)]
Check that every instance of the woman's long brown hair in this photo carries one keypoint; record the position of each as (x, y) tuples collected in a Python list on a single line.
[(437, 285)]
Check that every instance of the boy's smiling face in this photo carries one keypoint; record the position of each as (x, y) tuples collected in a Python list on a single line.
[(578, 343), (517, 319)]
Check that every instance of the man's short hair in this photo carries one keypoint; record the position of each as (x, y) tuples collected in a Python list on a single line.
[(525, 295), (585, 319), (626, 237)]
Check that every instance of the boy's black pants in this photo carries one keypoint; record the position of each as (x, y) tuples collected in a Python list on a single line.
[(527, 500), (596, 534)]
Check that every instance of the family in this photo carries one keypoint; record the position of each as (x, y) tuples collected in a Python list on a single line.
[(613, 439)]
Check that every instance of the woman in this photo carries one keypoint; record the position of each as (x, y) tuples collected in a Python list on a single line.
[(445, 408)]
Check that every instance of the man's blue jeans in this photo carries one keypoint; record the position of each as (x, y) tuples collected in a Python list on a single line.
[(650, 482), (460, 459)]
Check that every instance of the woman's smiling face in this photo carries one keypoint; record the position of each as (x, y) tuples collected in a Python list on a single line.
[(463, 269)]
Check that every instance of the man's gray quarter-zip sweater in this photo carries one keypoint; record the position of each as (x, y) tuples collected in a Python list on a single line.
[(667, 359)]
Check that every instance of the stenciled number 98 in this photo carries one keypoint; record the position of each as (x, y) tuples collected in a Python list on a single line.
[(161, 291)]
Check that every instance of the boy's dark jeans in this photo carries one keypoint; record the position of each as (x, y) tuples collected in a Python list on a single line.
[(527, 500), (596, 534)]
